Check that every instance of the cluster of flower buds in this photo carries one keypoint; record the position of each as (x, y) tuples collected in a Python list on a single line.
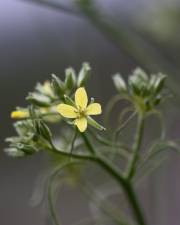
[(144, 91), (50, 92), (46, 96), (33, 133)]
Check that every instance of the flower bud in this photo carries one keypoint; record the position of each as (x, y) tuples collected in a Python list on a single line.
[(14, 152), (58, 86), (119, 83), (69, 101), (19, 114), (138, 82), (159, 82), (83, 74), (70, 80), (95, 124), (43, 130), (39, 99)]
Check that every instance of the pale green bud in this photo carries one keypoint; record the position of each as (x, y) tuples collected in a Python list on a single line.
[(83, 74), (70, 80), (119, 83)]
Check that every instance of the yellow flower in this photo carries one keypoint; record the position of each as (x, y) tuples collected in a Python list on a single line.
[(81, 110), (19, 114)]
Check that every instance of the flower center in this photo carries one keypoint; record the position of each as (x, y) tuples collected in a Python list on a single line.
[(81, 112)]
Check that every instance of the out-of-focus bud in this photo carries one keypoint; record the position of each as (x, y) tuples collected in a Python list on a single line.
[(138, 82), (14, 152), (70, 79), (45, 89), (152, 82), (119, 83), (27, 149), (95, 124), (58, 86), (159, 82), (43, 130), (69, 101), (83, 74), (140, 74), (39, 100)]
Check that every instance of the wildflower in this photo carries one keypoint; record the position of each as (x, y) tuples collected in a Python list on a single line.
[(81, 111), (19, 114)]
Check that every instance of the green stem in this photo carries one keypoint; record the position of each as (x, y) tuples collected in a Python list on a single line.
[(88, 144), (50, 198), (112, 170), (73, 140), (124, 151), (127, 188), (51, 191), (125, 184), (136, 148), (67, 154), (134, 203)]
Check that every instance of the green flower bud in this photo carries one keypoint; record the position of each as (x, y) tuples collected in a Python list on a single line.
[(39, 99), (43, 130), (83, 74), (26, 148), (95, 124), (141, 74), (138, 82), (69, 101), (45, 89), (24, 127), (14, 152), (70, 80), (58, 86), (119, 83), (152, 82), (159, 82)]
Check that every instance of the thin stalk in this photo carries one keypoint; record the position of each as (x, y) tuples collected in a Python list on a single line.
[(137, 211), (88, 144), (104, 206), (51, 191), (50, 199), (73, 140), (112, 170), (106, 142), (125, 184), (72, 155), (136, 148)]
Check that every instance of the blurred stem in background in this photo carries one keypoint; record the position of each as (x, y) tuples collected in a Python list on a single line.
[(123, 36)]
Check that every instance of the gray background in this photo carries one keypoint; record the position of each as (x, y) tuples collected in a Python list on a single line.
[(37, 40)]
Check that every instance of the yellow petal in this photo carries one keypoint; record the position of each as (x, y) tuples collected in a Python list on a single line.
[(94, 109), (81, 98), (19, 114), (67, 111), (81, 123)]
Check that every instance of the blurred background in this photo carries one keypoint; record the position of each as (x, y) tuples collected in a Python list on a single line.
[(40, 37)]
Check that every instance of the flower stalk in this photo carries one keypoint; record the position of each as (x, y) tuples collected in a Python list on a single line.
[(124, 183), (136, 148)]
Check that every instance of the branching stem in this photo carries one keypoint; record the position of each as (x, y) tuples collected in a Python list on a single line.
[(125, 183), (112, 170)]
